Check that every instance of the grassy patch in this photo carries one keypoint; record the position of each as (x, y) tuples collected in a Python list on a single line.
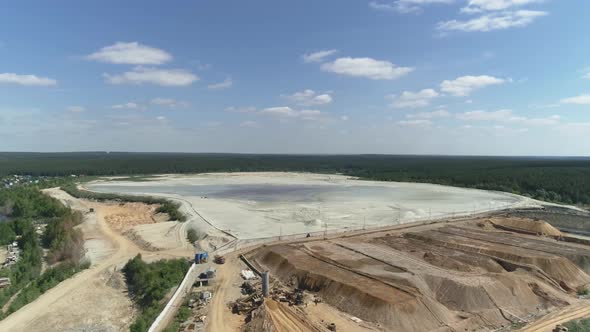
[(193, 236), (46, 281), (149, 284), (582, 325)]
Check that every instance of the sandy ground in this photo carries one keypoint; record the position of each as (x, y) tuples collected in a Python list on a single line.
[(227, 288), (437, 277), (254, 205), (547, 323), (95, 299)]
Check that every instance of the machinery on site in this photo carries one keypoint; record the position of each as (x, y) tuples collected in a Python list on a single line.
[(201, 257), (219, 259)]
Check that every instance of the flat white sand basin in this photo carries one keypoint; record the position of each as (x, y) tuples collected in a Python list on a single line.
[(253, 205)]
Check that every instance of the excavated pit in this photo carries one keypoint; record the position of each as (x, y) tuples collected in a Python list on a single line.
[(437, 278)]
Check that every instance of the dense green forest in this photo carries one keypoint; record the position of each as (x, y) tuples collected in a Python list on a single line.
[(26, 207), (554, 179), (149, 284)]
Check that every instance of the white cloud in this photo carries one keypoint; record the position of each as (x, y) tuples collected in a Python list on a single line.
[(285, 111), (168, 102), (415, 123), (26, 80), (249, 109), (131, 54), (413, 99), (317, 56), (508, 116), (500, 115), (279, 110), (76, 109), (493, 21), (577, 100), (250, 124), (227, 83), (344, 117), (163, 77), (405, 6), (309, 97), (478, 6), (429, 115), (129, 105), (464, 85), (366, 67), (161, 118)]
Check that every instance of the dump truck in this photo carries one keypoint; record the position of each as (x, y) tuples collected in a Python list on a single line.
[(201, 257), (219, 259)]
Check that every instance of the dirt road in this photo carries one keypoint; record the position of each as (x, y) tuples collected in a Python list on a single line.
[(547, 323), (227, 288), (95, 299)]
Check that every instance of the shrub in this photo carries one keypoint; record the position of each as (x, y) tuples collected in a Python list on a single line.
[(193, 236)]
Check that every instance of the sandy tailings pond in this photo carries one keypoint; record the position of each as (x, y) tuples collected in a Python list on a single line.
[(253, 205)]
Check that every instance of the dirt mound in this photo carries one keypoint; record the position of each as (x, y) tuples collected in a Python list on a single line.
[(446, 262), (123, 216), (530, 226), (134, 236), (556, 268), (486, 225), (260, 321), (273, 316), (360, 296)]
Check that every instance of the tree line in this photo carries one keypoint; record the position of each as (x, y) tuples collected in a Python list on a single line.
[(149, 283), (26, 208), (554, 179)]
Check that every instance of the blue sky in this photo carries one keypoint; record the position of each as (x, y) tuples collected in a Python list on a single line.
[(483, 77)]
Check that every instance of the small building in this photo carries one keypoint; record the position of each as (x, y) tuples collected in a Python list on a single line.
[(206, 296), (248, 275), (201, 257)]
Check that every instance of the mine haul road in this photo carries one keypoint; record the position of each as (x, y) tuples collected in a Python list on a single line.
[(67, 305)]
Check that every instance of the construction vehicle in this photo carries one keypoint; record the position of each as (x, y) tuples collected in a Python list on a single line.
[(219, 259), (201, 257)]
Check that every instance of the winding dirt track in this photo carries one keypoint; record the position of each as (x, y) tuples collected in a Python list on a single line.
[(220, 318), (284, 320), (547, 323), (57, 302)]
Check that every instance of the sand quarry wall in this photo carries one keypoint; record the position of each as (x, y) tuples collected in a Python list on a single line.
[(432, 280), (375, 302)]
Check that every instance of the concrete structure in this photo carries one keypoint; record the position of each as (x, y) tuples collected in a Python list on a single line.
[(265, 284)]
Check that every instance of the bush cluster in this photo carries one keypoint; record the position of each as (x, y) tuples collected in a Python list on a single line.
[(149, 283)]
